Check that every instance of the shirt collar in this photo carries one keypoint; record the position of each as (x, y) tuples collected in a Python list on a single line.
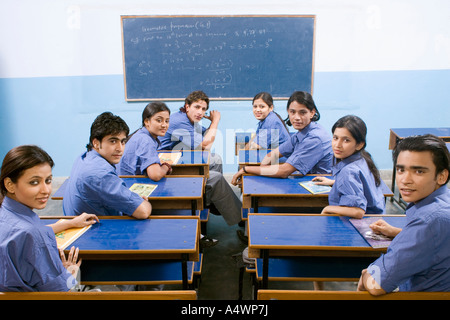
[(427, 200), (338, 166), (146, 132), (94, 155), (19, 208), (301, 134)]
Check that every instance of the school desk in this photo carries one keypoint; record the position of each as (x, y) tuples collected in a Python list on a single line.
[(332, 236), (123, 250), (254, 157), (262, 191), (397, 134), (172, 192), (191, 162), (241, 139)]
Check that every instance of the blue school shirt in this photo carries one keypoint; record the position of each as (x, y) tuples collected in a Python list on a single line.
[(309, 150), (271, 128), (418, 258), (29, 257), (94, 187), (141, 151), (182, 133), (355, 186)]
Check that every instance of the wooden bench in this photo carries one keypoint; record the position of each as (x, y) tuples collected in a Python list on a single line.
[(307, 269), (103, 295), (268, 294)]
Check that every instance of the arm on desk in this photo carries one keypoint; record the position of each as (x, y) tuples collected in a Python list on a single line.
[(368, 283), (353, 212), (275, 171), (156, 171), (143, 211), (80, 221)]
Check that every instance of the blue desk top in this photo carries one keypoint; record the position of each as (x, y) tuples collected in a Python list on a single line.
[(190, 157), (267, 186), (171, 187), (167, 235), (405, 132), (317, 232)]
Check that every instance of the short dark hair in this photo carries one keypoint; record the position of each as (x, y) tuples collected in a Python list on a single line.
[(430, 143), (19, 159), (106, 124), (193, 97)]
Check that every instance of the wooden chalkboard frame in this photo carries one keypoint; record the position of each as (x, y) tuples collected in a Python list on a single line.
[(211, 16)]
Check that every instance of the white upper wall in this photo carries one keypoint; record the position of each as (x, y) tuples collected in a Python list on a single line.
[(43, 38)]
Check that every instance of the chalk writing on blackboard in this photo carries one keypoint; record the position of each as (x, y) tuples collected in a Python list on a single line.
[(222, 54)]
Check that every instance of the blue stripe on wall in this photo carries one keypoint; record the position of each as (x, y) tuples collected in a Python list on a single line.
[(56, 112)]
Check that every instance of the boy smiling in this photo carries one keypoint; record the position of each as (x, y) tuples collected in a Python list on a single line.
[(418, 259)]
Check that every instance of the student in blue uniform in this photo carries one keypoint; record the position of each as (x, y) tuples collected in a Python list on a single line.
[(29, 258), (418, 258), (94, 185), (141, 150), (185, 132), (307, 151), (271, 131), (356, 186)]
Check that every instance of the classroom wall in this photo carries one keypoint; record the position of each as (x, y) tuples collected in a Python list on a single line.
[(61, 65)]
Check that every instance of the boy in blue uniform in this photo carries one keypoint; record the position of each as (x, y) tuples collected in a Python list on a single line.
[(94, 185), (418, 259), (185, 132)]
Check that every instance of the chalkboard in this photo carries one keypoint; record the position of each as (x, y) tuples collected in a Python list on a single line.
[(229, 57)]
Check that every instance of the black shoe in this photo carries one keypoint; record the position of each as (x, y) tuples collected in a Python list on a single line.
[(213, 210), (241, 224), (206, 242), (242, 236)]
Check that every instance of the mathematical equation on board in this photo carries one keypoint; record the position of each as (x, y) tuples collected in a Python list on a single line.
[(198, 47)]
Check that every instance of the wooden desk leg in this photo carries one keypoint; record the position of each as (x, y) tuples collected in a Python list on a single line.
[(265, 281), (184, 271), (255, 204), (193, 206)]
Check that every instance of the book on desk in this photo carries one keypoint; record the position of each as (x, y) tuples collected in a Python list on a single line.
[(66, 237)]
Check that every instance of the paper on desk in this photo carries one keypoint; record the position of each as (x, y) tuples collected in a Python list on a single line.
[(375, 240), (143, 189), (315, 188), (66, 237), (169, 157)]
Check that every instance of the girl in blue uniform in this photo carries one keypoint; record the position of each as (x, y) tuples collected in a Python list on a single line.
[(141, 150), (356, 186), (29, 258), (307, 151), (271, 131)]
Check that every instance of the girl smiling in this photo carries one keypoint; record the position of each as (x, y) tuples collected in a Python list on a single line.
[(29, 258), (141, 156), (271, 131)]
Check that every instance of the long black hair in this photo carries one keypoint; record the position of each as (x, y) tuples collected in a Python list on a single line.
[(305, 99), (149, 111), (358, 130)]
